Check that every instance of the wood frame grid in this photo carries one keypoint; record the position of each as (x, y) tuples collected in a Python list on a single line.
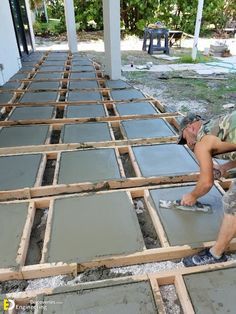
[(43, 269), (156, 281)]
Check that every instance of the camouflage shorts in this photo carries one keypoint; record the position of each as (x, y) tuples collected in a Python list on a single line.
[(229, 200)]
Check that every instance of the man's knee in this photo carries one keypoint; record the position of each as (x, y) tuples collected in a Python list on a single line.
[(229, 200)]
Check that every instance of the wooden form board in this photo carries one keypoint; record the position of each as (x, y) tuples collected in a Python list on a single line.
[(156, 281), (165, 252)]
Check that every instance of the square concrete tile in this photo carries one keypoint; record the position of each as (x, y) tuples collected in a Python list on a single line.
[(11, 85), (23, 135), (126, 94), (30, 113), (126, 298), (54, 62), (39, 97), (81, 62), (44, 85), (147, 128), (164, 160), (88, 166), (5, 97), (85, 111), (185, 227), (84, 96), (86, 132), (51, 68), (83, 84), (213, 291), (136, 108), (19, 171), (12, 222), (19, 76), (41, 76), (117, 84), (82, 68), (83, 75), (114, 231)]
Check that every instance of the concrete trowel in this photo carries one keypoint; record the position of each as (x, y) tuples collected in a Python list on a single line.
[(198, 207)]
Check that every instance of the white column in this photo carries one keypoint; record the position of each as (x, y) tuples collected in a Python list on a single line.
[(111, 22), (70, 25), (29, 14), (197, 28)]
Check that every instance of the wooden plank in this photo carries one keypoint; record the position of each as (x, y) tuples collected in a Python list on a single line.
[(134, 162), (156, 220), (183, 295), (41, 170), (57, 169), (157, 295), (47, 234), (120, 165), (25, 238)]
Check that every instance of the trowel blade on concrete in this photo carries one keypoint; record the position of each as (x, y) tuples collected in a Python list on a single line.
[(198, 207)]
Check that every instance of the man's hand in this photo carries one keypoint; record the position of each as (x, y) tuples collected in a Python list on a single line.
[(188, 200)]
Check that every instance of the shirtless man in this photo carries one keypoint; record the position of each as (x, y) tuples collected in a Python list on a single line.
[(213, 138)]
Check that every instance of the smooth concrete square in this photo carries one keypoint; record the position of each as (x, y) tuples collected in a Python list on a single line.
[(83, 75), (12, 222), (83, 68), (54, 62), (126, 94), (86, 132), (185, 227), (147, 128), (11, 85), (164, 160), (83, 84), (39, 97), (212, 292), (85, 111), (41, 76), (51, 68), (131, 298), (81, 62), (117, 84), (44, 85), (84, 96), (114, 231), (5, 97), (31, 113), (19, 76), (88, 166), (136, 108), (19, 171), (23, 135)]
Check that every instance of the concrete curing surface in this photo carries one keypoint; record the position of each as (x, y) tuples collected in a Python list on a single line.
[(88, 166), (147, 128), (88, 227), (12, 222), (164, 160), (185, 227), (85, 111), (30, 113), (19, 171), (85, 132), (138, 108), (212, 292), (131, 298)]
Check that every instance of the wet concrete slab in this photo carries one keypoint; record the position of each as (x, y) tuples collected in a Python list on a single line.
[(5, 97), (131, 298), (115, 230), (11, 85), (23, 135), (39, 97), (54, 62), (82, 68), (185, 227), (40, 76), (83, 84), (126, 94), (51, 68), (19, 76), (30, 113), (86, 132), (83, 75), (12, 222), (88, 166), (117, 84), (44, 85), (80, 61), (19, 171), (85, 111), (212, 292), (147, 128), (164, 160), (139, 108), (84, 96)]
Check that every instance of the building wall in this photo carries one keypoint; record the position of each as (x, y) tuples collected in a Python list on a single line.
[(9, 54)]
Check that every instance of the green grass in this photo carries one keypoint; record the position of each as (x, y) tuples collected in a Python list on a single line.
[(200, 59)]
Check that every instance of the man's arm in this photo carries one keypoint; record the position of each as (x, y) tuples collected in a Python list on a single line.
[(203, 151)]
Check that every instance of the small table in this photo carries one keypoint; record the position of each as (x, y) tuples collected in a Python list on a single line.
[(159, 34)]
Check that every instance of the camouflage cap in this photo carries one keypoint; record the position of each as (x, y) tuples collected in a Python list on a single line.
[(190, 118)]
